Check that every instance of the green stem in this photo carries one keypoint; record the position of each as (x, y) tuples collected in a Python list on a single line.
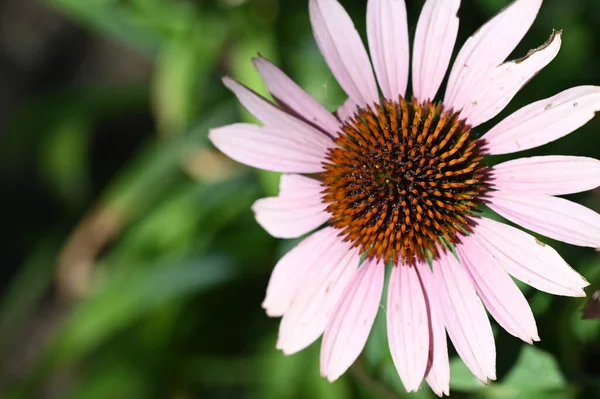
[(361, 373)]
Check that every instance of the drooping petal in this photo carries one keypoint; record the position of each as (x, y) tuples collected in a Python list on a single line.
[(552, 217), (408, 325), (506, 80), (290, 95), (346, 110), (487, 48), (544, 121), (273, 116), (316, 297), (388, 41), (527, 259), (343, 50), (434, 41), (271, 148), (290, 271), (297, 209), (352, 319), (501, 296), (438, 366), (465, 318), (550, 175)]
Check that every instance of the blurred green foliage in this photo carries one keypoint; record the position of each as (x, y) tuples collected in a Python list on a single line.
[(173, 286)]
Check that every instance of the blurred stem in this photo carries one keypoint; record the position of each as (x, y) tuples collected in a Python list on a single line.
[(361, 373), (135, 191), (75, 262)]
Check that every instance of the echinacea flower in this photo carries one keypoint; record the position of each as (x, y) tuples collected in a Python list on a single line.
[(393, 182)]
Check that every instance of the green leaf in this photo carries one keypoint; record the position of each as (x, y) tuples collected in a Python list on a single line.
[(183, 72), (121, 300), (119, 380), (114, 18), (269, 181), (126, 298), (461, 378), (190, 217), (298, 376), (498, 391), (158, 166), (64, 158), (376, 352), (535, 370)]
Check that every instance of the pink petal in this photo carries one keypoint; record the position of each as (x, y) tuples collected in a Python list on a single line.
[(273, 116), (552, 217), (551, 175), (487, 48), (506, 80), (497, 290), (388, 41), (352, 319), (438, 366), (297, 210), (346, 110), (465, 318), (527, 259), (544, 121), (292, 269), (408, 325), (289, 94), (433, 44), (270, 148), (343, 50), (316, 297)]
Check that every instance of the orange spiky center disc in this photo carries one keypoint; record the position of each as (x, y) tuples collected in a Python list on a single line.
[(403, 180)]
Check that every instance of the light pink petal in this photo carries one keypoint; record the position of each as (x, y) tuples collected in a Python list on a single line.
[(550, 175), (292, 269), (408, 325), (486, 49), (527, 259), (273, 116), (388, 41), (316, 297), (434, 41), (544, 121), (352, 319), (465, 318), (506, 80), (552, 217), (347, 110), (498, 291), (297, 210), (290, 95), (271, 148), (438, 366), (343, 50)]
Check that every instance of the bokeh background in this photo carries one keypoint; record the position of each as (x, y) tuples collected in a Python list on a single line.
[(131, 266)]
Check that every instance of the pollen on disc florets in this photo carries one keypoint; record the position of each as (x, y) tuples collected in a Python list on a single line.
[(404, 179)]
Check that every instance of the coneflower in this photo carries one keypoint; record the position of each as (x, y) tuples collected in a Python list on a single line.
[(396, 181)]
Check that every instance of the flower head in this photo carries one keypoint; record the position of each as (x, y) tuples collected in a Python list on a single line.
[(389, 181), (402, 180)]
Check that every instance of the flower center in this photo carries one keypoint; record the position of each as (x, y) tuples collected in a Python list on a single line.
[(403, 178)]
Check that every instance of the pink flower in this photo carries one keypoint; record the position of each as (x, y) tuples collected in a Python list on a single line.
[(397, 183)]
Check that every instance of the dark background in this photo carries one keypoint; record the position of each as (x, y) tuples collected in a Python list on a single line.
[(131, 266)]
